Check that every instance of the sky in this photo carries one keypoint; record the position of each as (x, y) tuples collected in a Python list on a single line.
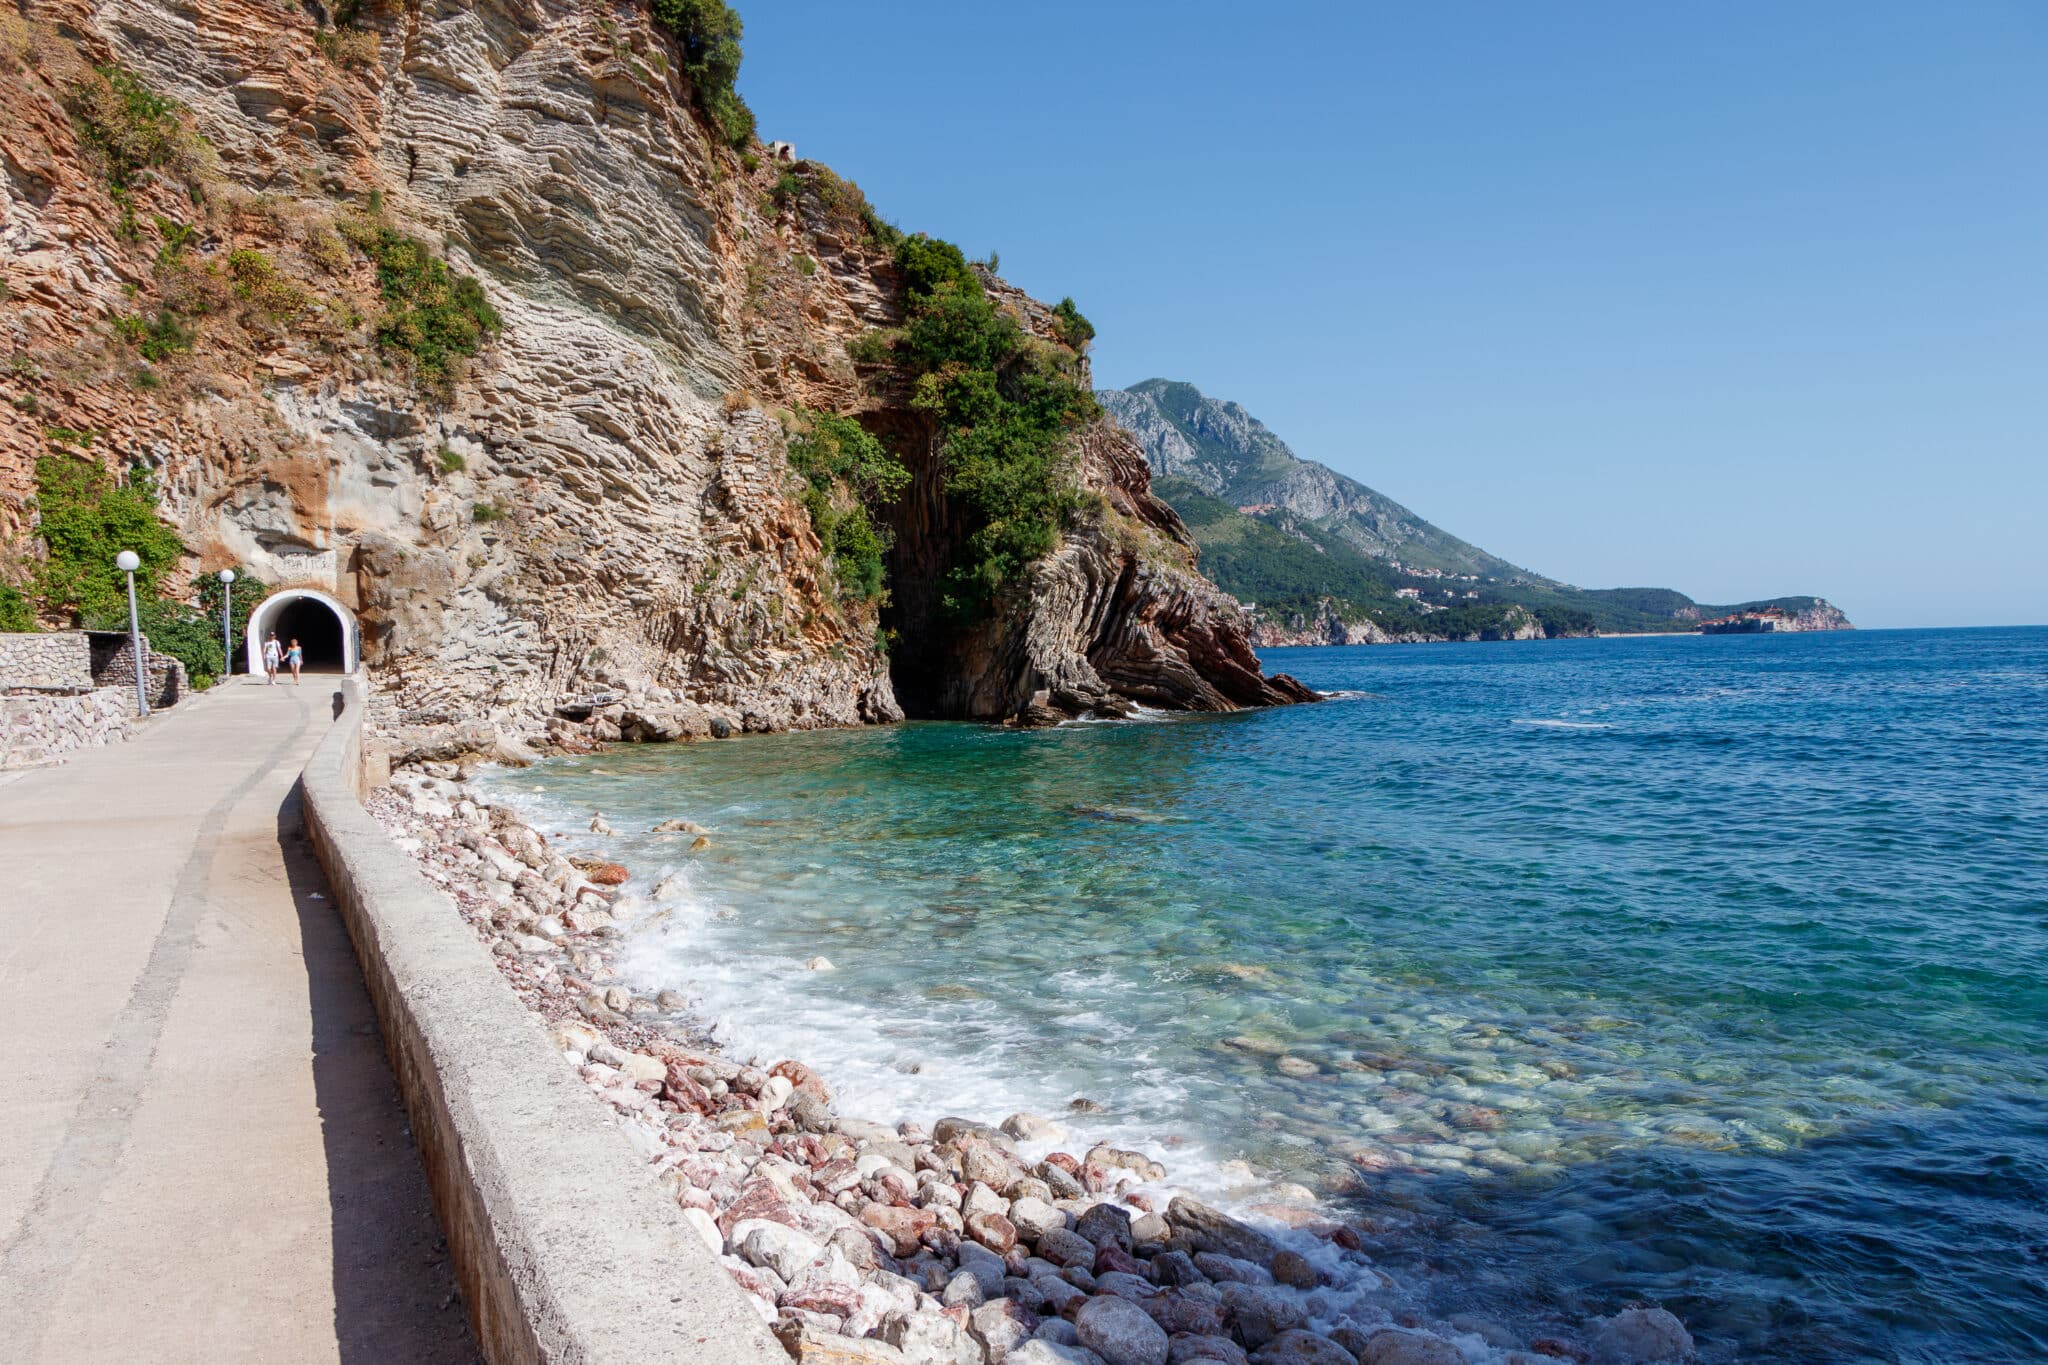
[(1743, 299)]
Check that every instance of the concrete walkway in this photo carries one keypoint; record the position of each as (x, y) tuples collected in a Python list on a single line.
[(202, 1152)]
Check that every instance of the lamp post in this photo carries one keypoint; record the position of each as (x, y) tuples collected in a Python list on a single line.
[(128, 562), (227, 609)]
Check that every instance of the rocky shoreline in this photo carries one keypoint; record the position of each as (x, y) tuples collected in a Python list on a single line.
[(956, 1242)]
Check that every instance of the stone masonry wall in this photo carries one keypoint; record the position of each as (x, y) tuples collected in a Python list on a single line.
[(167, 683), (59, 661), (42, 728)]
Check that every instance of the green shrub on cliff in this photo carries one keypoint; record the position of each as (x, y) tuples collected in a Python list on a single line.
[(708, 32), (1005, 411), (17, 613), (85, 517), (431, 314), (847, 474), (158, 338), (1075, 330), (132, 129)]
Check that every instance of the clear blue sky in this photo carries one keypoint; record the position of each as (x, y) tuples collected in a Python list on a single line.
[(1736, 298)]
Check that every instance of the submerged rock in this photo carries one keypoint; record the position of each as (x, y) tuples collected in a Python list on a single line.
[(1641, 1336), (1400, 1346)]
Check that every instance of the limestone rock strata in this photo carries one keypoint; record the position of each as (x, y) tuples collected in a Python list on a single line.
[(600, 503), (1118, 616)]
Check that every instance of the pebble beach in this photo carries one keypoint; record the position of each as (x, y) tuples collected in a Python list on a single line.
[(954, 1240)]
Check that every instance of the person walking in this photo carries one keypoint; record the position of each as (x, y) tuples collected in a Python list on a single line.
[(295, 656), (273, 655)]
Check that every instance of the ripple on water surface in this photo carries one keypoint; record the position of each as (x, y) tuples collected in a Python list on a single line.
[(1708, 970)]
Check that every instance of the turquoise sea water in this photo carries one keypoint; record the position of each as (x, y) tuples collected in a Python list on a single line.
[(1707, 971)]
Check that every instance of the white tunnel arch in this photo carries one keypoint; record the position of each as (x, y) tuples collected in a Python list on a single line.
[(272, 609)]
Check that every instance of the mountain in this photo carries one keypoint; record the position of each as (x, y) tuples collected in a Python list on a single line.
[(1323, 559), (1229, 454)]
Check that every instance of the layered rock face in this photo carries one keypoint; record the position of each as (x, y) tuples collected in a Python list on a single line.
[(1118, 615), (598, 510)]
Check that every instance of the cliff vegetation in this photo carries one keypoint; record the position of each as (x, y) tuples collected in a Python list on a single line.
[(498, 327)]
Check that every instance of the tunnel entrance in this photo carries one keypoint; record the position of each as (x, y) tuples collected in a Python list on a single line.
[(321, 625)]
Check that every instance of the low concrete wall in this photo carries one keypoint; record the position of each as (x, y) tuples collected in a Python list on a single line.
[(566, 1248)]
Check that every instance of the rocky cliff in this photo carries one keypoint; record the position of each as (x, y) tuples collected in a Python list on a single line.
[(1326, 624), (230, 232)]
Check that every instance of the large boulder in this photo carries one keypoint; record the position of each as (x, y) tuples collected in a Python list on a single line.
[(776, 1246), (1039, 1351), (1120, 1332), (1207, 1229), (1297, 1347), (1263, 1312), (1639, 1336)]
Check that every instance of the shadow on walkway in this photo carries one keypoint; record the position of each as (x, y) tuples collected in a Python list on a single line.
[(395, 1296)]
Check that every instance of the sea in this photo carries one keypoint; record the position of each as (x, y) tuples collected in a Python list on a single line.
[(1709, 972)]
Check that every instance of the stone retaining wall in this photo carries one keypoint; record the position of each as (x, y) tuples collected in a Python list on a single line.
[(566, 1247), (38, 728), (113, 665), (57, 660)]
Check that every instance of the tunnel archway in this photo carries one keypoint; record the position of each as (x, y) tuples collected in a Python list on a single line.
[(324, 628)]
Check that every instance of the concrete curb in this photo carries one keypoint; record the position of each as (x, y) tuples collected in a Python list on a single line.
[(565, 1246)]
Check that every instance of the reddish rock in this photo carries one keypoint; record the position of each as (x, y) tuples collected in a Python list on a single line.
[(1178, 1315), (1113, 1257), (904, 1227), (984, 1161), (993, 1231), (1562, 1350), (758, 1199), (1064, 1162), (1291, 1267), (605, 874), (805, 1080), (836, 1176), (824, 1296), (754, 1281), (742, 1123)]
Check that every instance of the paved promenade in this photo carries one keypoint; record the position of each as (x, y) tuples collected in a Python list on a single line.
[(202, 1152)]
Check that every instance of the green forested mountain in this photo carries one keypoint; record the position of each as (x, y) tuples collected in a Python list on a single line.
[(1322, 555)]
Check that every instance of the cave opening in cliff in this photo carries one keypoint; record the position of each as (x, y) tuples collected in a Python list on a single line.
[(319, 630)]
